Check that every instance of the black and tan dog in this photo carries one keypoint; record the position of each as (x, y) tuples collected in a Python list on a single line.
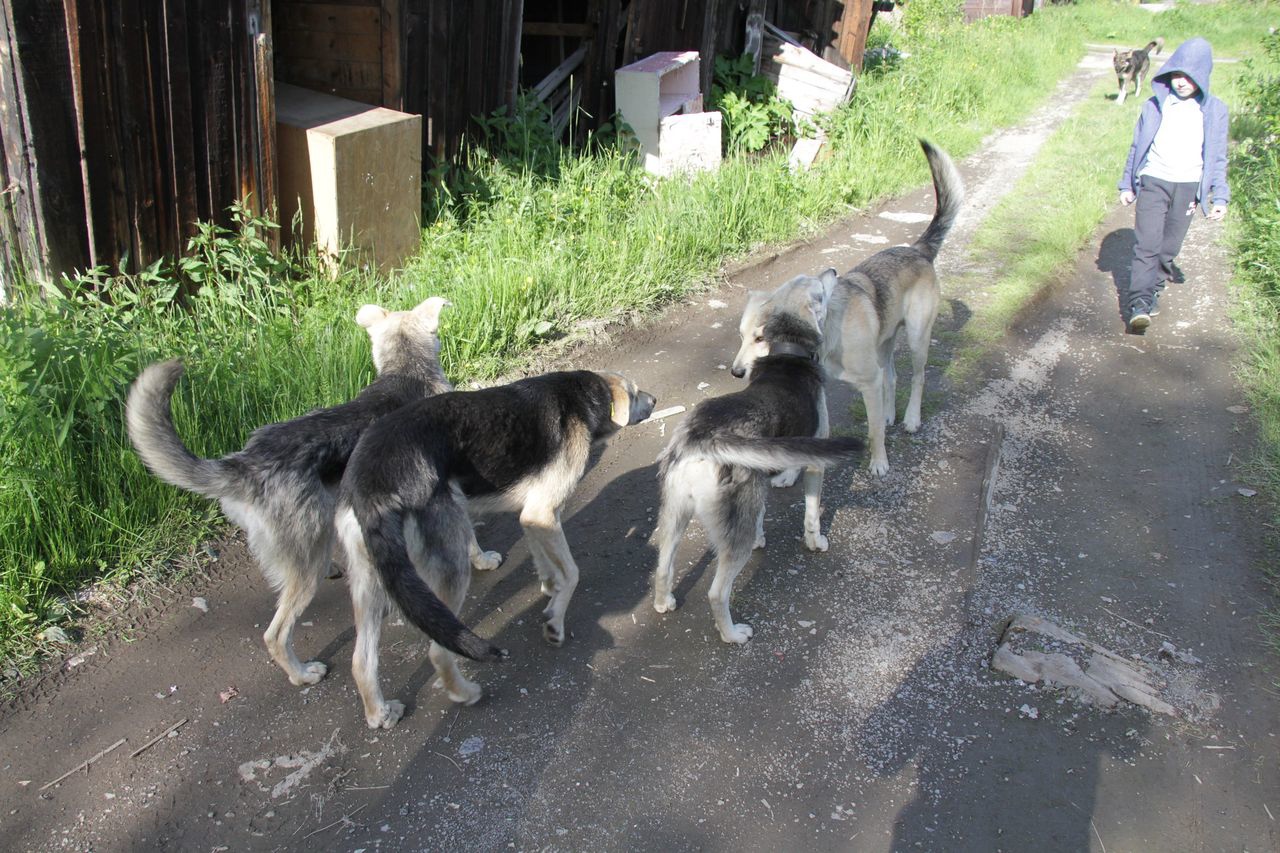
[(1132, 66), (402, 514), (281, 488)]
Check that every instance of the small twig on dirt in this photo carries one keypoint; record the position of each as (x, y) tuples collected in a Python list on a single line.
[(1269, 814), (1217, 747), (367, 787), (1136, 625), (155, 740), (449, 733), (1095, 832), (346, 818), (84, 765), (446, 758)]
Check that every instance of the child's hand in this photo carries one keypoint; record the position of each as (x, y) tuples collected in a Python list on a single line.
[(1127, 197), (1219, 211)]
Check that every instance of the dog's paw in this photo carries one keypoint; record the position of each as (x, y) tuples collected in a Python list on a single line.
[(739, 633), (486, 561), (466, 692), (759, 543), (911, 424), (387, 716), (664, 603), (786, 479), (815, 542), (879, 467), (311, 673), (553, 633)]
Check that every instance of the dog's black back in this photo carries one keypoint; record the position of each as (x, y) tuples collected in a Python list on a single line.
[(486, 441), (322, 440), (780, 400)]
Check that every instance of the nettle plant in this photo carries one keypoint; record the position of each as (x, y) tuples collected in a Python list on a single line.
[(753, 113)]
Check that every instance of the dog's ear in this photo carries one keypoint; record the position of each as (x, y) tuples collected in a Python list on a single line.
[(820, 295), (370, 315), (429, 310)]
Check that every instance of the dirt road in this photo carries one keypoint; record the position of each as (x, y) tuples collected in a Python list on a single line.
[(864, 714)]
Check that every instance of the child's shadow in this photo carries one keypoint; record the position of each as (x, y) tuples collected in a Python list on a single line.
[(1115, 256)]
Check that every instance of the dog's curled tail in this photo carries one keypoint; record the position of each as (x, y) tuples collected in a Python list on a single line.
[(777, 454), (1156, 44), (384, 538), (949, 189), (149, 418)]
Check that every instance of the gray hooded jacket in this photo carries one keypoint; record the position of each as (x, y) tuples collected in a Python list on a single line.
[(1193, 58)]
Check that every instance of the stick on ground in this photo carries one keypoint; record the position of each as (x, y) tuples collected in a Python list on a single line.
[(84, 765), (158, 738)]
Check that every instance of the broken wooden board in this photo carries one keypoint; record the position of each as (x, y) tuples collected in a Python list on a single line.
[(1036, 650)]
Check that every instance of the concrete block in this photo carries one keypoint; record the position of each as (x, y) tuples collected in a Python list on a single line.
[(353, 171), (654, 91)]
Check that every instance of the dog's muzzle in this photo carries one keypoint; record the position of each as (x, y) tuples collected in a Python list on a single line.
[(642, 407)]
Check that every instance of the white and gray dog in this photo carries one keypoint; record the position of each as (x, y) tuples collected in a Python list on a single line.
[(281, 488)]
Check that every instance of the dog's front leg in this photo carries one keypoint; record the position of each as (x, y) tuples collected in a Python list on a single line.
[(555, 564), (813, 538), (481, 560)]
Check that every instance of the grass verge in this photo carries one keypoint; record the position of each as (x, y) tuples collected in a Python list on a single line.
[(1255, 230)]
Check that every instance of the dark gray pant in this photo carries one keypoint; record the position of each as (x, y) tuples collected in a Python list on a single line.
[(1160, 223)]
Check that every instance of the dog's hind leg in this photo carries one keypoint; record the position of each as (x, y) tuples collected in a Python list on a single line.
[(369, 604), (673, 520), (555, 565), (295, 575), (438, 541), (873, 399), (298, 590), (732, 533), (889, 385), (920, 316)]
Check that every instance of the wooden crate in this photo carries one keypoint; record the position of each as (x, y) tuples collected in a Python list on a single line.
[(355, 173)]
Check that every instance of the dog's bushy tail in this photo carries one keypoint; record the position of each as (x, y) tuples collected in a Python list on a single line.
[(777, 454), (384, 539), (149, 418), (949, 188), (1157, 44)]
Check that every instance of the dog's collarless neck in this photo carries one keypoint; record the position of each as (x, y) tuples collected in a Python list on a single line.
[(788, 348)]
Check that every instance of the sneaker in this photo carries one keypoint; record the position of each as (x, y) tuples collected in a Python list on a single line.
[(1140, 319), (1155, 304)]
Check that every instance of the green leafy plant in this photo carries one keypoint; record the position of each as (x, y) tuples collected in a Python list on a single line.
[(753, 114)]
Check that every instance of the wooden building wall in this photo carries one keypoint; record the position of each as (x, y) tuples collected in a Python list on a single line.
[(126, 121)]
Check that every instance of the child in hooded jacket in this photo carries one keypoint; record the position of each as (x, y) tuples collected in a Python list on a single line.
[(1178, 160)]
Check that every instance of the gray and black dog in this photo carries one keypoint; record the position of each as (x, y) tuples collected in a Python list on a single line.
[(1132, 66), (718, 462), (403, 510), (894, 291), (281, 488)]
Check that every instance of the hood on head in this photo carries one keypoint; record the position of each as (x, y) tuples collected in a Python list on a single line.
[(1194, 58)]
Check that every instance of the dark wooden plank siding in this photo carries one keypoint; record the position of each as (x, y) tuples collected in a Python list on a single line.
[(460, 61)]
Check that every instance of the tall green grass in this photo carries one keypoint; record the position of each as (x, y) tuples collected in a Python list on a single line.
[(526, 254), (1255, 228)]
